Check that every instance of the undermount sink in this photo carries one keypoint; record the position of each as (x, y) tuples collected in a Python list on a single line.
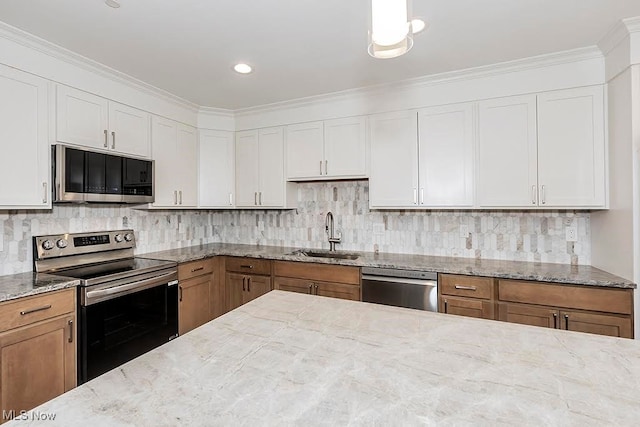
[(325, 254)]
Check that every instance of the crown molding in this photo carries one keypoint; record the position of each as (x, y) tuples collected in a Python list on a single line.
[(620, 31), (224, 112), (31, 41), (534, 62)]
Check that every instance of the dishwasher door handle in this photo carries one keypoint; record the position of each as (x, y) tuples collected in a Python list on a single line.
[(422, 282)]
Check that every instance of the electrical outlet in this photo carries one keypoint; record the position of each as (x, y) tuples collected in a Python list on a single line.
[(571, 233), (378, 229), (464, 231)]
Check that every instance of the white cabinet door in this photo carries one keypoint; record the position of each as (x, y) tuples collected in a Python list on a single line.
[(164, 136), (446, 143), (216, 169), (24, 126), (345, 147), (305, 152), (271, 167), (571, 148), (247, 168), (394, 160), (186, 169), (129, 130), (507, 158), (82, 118)]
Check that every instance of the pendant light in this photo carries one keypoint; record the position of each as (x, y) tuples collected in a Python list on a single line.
[(391, 30)]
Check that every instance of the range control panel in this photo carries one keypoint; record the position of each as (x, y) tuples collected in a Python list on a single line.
[(59, 245)]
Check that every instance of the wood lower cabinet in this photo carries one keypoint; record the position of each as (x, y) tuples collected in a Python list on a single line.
[(335, 281), (470, 296), (596, 310), (201, 293), (37, 358), (246, 279)]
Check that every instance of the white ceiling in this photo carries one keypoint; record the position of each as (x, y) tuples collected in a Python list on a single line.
[(301, 48)]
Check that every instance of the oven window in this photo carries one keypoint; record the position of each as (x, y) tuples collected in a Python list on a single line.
[(121, 329)]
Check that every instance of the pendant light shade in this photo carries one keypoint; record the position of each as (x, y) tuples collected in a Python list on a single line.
[(390, 34)]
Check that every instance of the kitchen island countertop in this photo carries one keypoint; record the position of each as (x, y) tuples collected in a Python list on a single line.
[(288, 358), (521, 270)]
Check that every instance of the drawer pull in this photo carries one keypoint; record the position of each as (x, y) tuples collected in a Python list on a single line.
[(246, 266), (193, 270), (33, 310), (466, 288), (70, 330)]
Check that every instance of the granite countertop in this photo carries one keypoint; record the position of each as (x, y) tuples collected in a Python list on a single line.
[(21, 285), (544, 272), (288, 358)]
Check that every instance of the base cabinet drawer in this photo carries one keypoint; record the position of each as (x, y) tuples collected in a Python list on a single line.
[(481, 309), (466, 286)]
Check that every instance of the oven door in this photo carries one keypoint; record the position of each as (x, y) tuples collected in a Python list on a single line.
[(120, 322)]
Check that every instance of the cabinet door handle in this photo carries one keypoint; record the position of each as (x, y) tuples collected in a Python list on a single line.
[(34, 310), (230, 199), (70, 330), (113, 140), (544, 196), (566, 322), (422, 196), (248, 284), (326, 167), (180, 297), (415, 196), (466, 288), (445, 306), (255, 198), (320, 167), (44, 192), (175, 197), (193, 270), (180, 193), (260, 197), (315, 286), (310, 288), (244, 283), (533, 194), (555, 321), (106, 138)]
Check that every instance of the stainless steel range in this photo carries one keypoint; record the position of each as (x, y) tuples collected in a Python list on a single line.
[(127, 305)]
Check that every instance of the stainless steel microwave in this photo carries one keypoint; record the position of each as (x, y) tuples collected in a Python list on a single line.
[(82, 176)]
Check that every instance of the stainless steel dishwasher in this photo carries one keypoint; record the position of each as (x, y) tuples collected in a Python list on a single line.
[(401, 288)]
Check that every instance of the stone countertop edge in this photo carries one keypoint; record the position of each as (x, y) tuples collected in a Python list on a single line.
[(22, 285), (519, 270)]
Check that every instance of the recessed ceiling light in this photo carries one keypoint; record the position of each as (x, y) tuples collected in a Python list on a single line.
[(112, 3), (242, 68), (417, 25)]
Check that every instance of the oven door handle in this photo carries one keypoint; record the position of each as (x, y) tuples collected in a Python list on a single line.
[(421, 282), (128, 288)]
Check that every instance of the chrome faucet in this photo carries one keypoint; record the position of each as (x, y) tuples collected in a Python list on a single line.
[(328, 226)]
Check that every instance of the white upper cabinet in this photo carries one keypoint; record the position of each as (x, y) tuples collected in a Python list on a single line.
[(571, 148), (216, 169), (543, 151), (393, 181), (305, 150), (345, 147), (260, 178), (327, 150), (91, 121), (446, 167), (24, 138), (175, 151), (507, 159)]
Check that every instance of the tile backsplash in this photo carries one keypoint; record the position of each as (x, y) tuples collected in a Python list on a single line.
[(509, 235)]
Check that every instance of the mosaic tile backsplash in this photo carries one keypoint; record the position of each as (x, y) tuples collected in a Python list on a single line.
[(509, 235)]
